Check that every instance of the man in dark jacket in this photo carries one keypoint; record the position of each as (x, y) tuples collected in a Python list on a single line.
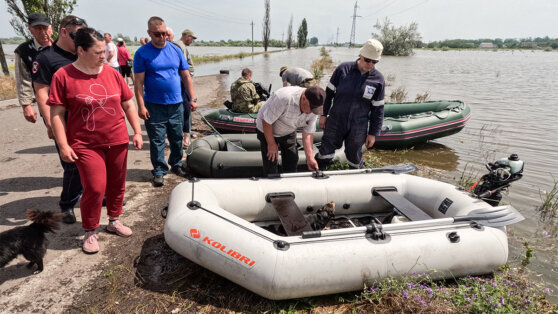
[(41, 30)]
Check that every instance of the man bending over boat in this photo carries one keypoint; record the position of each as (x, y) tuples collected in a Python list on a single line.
[(357, 90), (279, 118), (243, 94)]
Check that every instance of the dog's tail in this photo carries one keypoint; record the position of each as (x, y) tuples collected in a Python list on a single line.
[(50, 221)]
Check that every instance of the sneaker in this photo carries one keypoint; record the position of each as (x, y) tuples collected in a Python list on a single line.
[(69, 217), (90, 244), (116, 227), (158, 181), (178, 170)]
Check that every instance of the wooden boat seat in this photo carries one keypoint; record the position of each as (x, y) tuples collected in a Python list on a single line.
[(291, 218), (401, 205)]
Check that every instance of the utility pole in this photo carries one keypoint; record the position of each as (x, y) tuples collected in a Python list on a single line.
[(353, 29), (337, 38), (282, 36), (252, 35)]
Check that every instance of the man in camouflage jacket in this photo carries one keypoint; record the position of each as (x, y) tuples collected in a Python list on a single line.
[(243, 93)]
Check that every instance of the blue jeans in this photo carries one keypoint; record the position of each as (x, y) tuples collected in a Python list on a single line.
[(164, 120), (71, 184)]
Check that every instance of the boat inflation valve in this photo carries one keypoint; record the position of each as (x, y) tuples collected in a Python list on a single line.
[(453, 237), (346, 206), (281, 245)]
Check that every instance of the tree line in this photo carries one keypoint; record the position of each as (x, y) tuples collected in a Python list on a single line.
[(509, 43)]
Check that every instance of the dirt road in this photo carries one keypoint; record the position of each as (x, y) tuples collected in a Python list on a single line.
[(31, 176)]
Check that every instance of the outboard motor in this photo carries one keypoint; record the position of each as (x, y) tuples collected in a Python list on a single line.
[(501, 174)]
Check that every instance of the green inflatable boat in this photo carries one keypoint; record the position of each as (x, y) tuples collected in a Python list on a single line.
[(238, 156), (405, 124)]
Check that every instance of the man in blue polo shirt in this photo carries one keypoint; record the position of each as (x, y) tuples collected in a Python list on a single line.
[(357, 90), (159, 66)]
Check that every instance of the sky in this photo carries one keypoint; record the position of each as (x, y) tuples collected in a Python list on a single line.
[(327, 19)]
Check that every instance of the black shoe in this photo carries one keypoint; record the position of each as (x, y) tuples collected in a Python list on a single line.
[(105, 202), (178, 170), (70, 217), (158, 181)]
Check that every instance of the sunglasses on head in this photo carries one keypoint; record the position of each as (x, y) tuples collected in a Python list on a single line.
[(75, 21), (370, 60), (158, 34)]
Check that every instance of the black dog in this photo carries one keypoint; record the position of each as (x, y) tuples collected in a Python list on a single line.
[(30, 241)]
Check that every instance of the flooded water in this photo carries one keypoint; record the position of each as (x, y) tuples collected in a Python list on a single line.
[(514, 101)]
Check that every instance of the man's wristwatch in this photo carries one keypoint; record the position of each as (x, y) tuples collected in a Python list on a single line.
[(194, 99)]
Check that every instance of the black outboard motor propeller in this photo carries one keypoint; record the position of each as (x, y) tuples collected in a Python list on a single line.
[(501, 174)]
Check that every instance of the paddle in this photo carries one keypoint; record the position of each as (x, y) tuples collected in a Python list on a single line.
[(495, 217)]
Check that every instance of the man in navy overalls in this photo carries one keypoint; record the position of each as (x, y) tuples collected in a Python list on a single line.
[(357, 90)]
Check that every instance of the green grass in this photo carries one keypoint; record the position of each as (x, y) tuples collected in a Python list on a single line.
[(548, 210), (320, 65), (206, 59)]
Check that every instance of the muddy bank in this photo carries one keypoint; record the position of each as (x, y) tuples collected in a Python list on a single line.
[(30, 177)]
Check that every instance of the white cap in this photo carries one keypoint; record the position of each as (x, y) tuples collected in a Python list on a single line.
[(120, 39), (372, 49)]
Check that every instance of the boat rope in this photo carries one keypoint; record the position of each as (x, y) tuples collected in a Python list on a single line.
[(189, 151)]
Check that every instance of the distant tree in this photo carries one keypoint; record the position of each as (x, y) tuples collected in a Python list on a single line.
[(266, 24), (55, 10), (290, 34), (397, 41), (302, 34), (136, 39), (313, 41)]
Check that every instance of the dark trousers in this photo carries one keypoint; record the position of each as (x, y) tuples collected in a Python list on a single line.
[(289, 154), (337, 132), (71, 184)]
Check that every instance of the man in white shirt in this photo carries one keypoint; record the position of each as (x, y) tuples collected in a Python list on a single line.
[(111, 52), (289, 109)]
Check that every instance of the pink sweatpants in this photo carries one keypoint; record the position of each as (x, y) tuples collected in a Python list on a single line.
[(103, 172)]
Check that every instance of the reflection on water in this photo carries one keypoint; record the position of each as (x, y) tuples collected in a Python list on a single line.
[(432, 154), (514, 100)]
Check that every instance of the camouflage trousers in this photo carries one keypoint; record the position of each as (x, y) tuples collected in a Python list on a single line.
[(247, 107)]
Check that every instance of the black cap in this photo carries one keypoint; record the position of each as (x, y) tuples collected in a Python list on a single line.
[(316, 97), (35, 19)]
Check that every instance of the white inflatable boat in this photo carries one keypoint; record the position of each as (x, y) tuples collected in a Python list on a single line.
[(416, 225)]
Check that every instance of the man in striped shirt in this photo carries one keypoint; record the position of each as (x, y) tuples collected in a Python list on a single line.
[(279, 118)]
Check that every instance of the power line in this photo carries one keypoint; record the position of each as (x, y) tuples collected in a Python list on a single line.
[(182, 9), (209, 14), (407, 9)]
